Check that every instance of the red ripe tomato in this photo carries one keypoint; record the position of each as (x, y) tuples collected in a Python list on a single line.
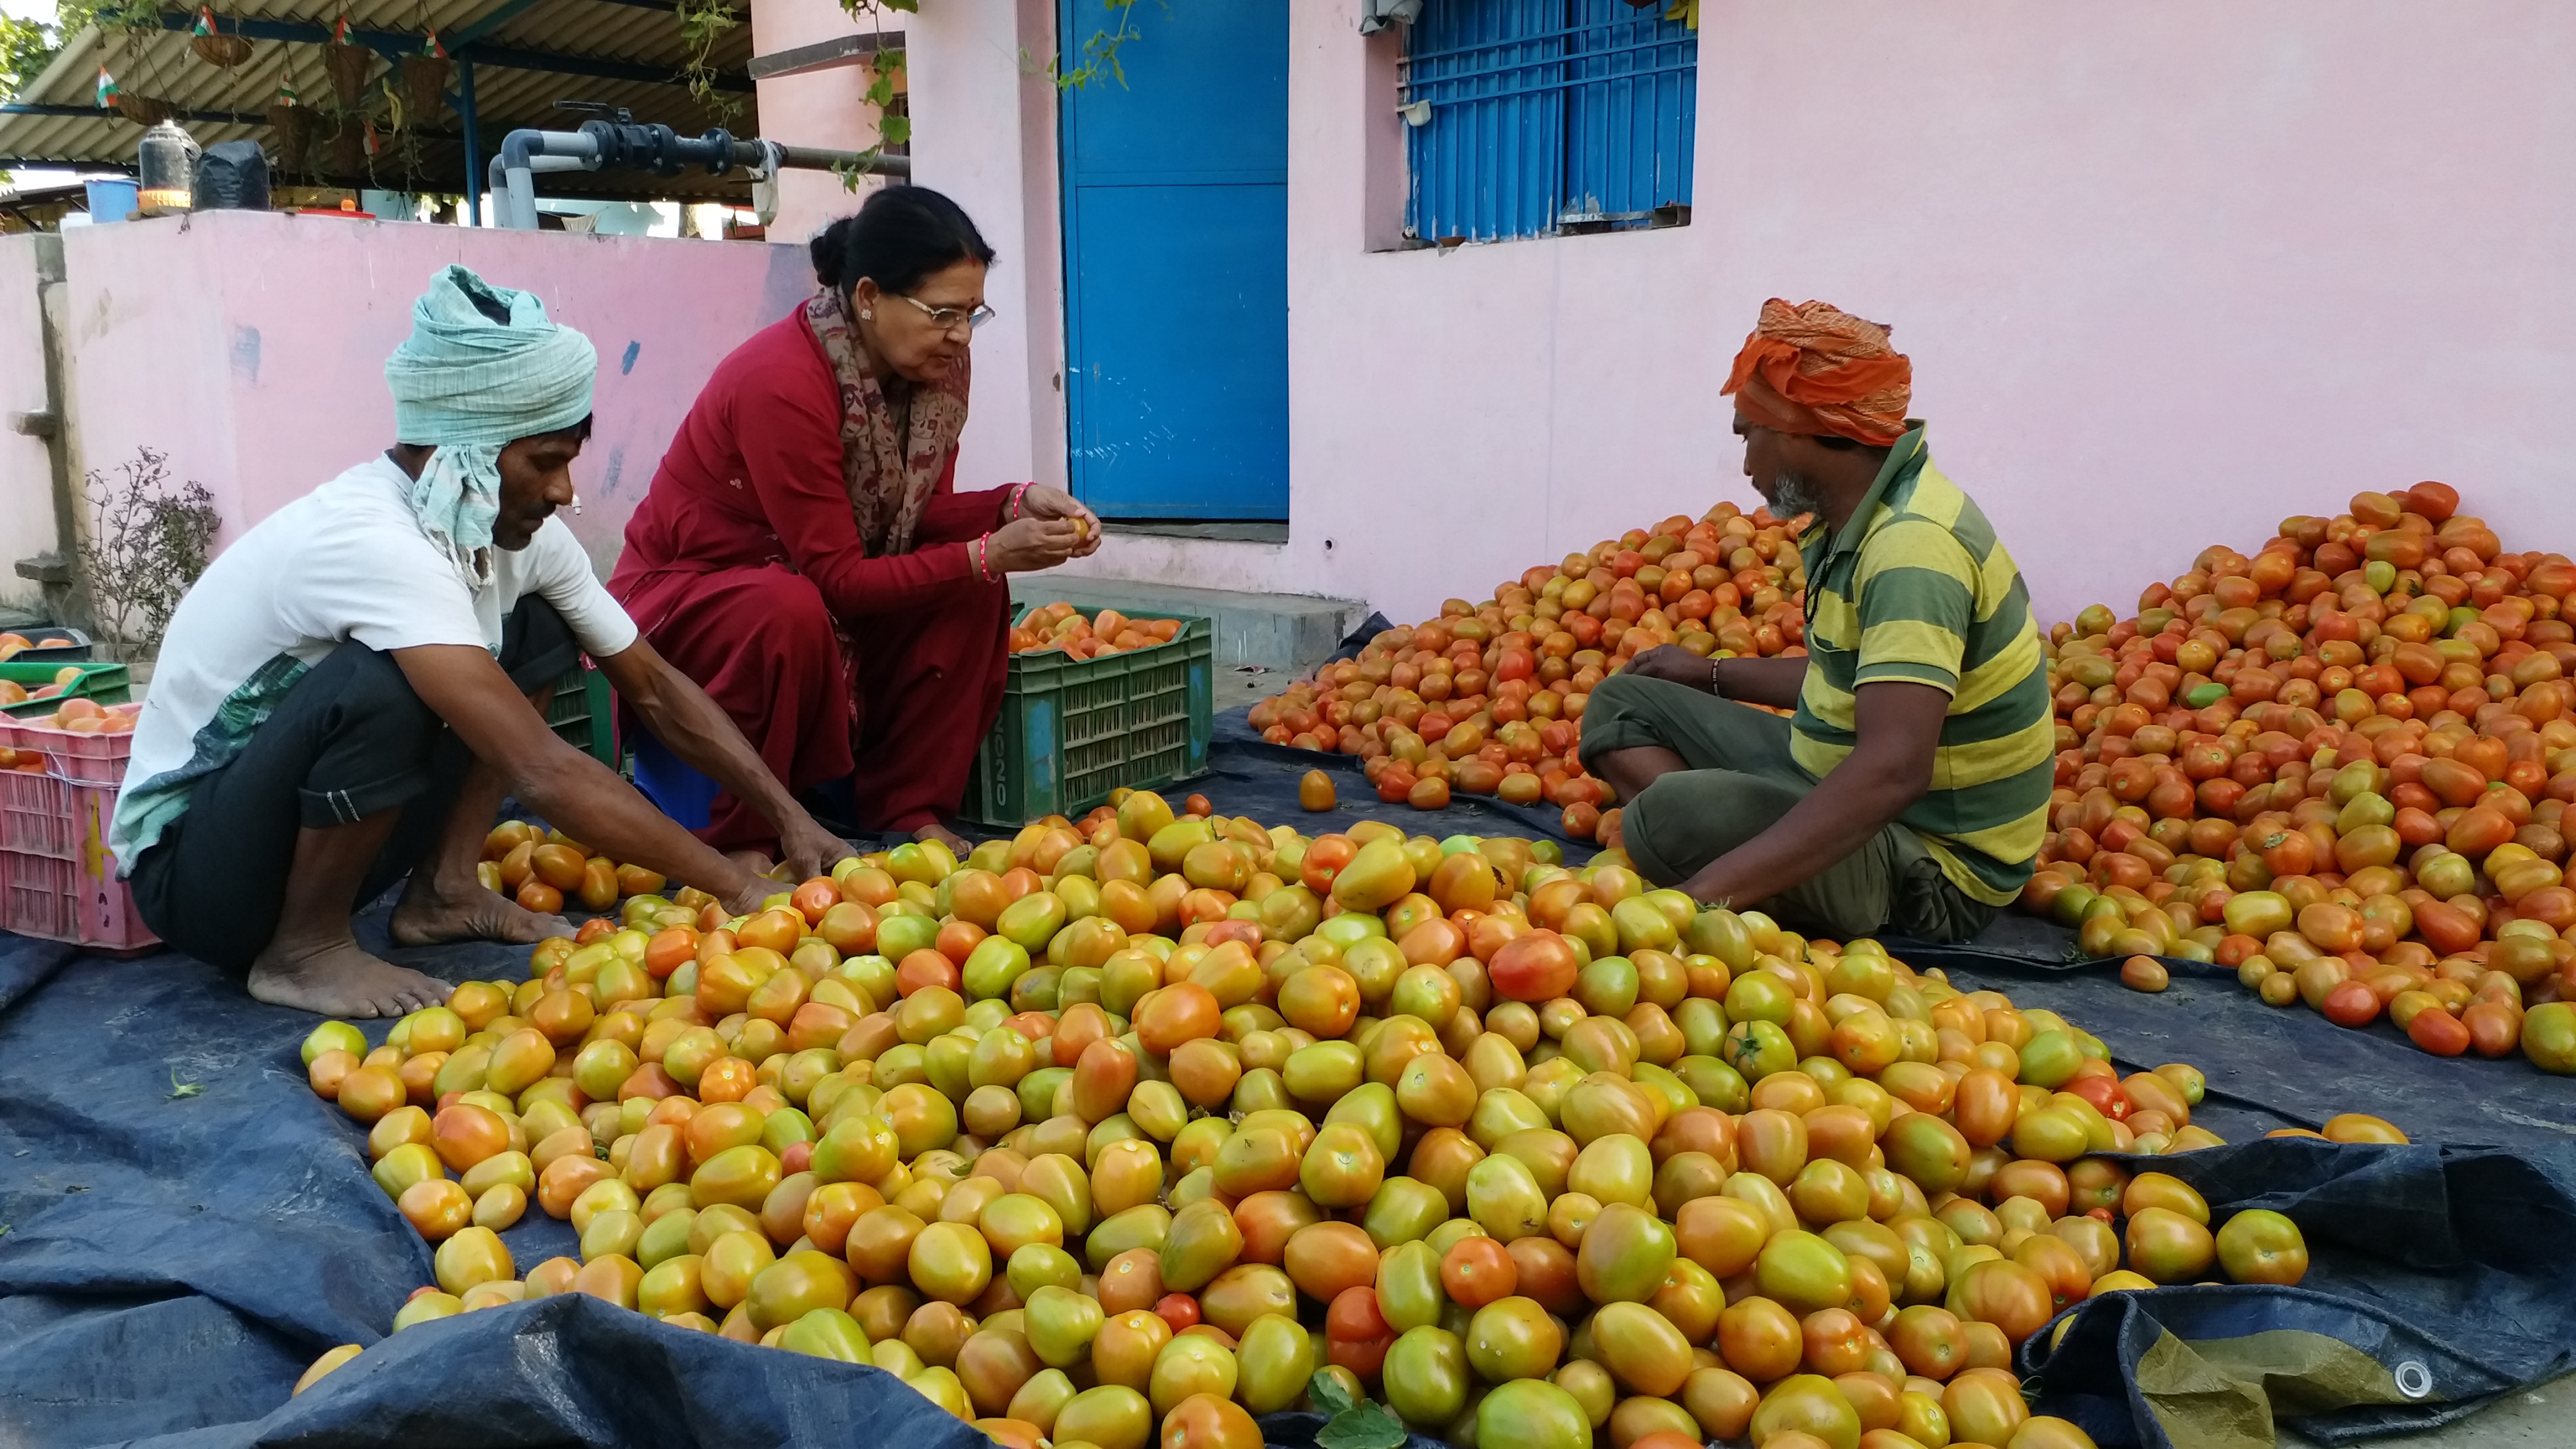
[(1540, 966), (2105, 1095), (1478, 1271), (1179, 1310), (1356, 1334), (2438, 1032), (2352, 1004)]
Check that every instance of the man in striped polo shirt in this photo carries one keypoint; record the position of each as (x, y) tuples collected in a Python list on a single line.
[(1908, 791)]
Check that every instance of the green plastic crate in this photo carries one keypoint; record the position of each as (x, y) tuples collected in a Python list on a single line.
[(106, 683), (584, 713), (1072, 730)]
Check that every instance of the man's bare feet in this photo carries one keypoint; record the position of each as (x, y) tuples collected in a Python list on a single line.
[(429, 915), (335, 978), (955, 842)]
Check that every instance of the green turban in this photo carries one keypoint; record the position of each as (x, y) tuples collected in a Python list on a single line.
[(483, 368)]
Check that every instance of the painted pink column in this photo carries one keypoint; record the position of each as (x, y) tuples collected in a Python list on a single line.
[(825, 108)]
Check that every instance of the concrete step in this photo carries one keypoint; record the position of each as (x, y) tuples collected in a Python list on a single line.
[(1272, 632)]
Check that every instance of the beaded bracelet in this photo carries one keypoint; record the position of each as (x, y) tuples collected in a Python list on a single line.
[(983, 558), (1019, 495)]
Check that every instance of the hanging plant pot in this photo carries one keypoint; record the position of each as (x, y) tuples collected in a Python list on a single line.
[(348, 66), (424, 79), (145, 110), (294, 127), (222, 50), (348, 155)]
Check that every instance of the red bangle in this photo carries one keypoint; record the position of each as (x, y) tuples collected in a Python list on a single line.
[(983, 558), (1019, 495)]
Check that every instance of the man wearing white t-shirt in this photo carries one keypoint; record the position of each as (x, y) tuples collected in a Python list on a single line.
[(345, 697)]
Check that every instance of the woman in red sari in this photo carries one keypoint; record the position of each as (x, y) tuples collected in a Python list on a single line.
[(803, 552)]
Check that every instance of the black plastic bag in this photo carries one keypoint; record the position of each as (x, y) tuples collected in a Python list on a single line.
[(232, 176)]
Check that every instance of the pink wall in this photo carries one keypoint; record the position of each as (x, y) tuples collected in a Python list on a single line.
[(26, 476), (251, 346), (2167, 273)]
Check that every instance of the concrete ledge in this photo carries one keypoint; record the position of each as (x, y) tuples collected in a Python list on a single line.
[(1274, 631)]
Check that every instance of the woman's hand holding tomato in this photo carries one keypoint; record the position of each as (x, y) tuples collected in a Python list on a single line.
[(1041, 501), (1026, 545)]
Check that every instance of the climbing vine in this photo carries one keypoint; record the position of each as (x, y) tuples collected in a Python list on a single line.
[(702, 24), (1100, 52)]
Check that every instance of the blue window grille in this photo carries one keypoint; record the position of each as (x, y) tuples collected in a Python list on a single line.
[(1537, 117)]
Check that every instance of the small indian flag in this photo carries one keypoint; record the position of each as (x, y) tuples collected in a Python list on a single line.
[(429, 46), (106, 89), (205, 21)]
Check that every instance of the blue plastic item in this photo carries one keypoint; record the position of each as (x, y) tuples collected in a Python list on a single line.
[(674, 788), (112, 198)]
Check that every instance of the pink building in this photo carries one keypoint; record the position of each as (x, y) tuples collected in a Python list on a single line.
[(2166, 273)]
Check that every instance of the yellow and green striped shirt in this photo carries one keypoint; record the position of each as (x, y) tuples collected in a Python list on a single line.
[(1916, 587)]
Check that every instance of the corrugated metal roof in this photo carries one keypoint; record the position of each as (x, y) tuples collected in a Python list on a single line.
[(230, 103)]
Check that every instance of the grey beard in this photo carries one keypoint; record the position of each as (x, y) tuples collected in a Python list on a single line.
[(1793, 494)]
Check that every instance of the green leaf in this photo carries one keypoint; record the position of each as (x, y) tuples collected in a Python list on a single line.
[(1364, 1427), (1328, 1394), (895, 130)]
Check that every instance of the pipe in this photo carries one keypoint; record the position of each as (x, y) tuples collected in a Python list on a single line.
[(809, 158), (465, 111), (519, 150), (625, 144)]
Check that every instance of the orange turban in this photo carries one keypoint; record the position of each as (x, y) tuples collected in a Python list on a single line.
[(1817, 369)]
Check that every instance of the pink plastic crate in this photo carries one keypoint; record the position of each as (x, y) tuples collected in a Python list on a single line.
[(35, 814), (77, 898), (83, 759), (41, 900)]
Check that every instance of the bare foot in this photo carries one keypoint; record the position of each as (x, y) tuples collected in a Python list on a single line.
[(955, 842), (429, 915), (335, 978)]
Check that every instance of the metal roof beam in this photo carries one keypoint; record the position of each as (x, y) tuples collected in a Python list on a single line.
[(212, 118), (35, 108), (391, 43)]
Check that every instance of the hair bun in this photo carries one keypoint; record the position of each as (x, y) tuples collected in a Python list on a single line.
[(825, 250), (898, 236)]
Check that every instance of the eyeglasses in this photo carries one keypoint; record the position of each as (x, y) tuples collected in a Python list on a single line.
[(949, 319)]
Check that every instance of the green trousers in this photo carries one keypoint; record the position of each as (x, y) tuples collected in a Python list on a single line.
[(1739, 781)]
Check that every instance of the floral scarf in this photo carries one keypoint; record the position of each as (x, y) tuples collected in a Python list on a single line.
[(891, 458)]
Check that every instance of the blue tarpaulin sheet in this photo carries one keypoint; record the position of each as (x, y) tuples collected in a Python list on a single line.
[(172, 1259)]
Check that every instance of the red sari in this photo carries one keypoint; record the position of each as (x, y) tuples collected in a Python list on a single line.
[(746, 568)]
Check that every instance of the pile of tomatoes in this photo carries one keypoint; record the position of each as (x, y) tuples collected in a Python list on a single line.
[(2339, 766), (1061, 626), (1488, 698), (544, 870), (1149, 1121)]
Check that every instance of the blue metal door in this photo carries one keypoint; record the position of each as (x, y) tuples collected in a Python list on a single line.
[(1176, 262)]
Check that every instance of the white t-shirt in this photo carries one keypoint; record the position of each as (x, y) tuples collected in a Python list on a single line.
[(344, 563)]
